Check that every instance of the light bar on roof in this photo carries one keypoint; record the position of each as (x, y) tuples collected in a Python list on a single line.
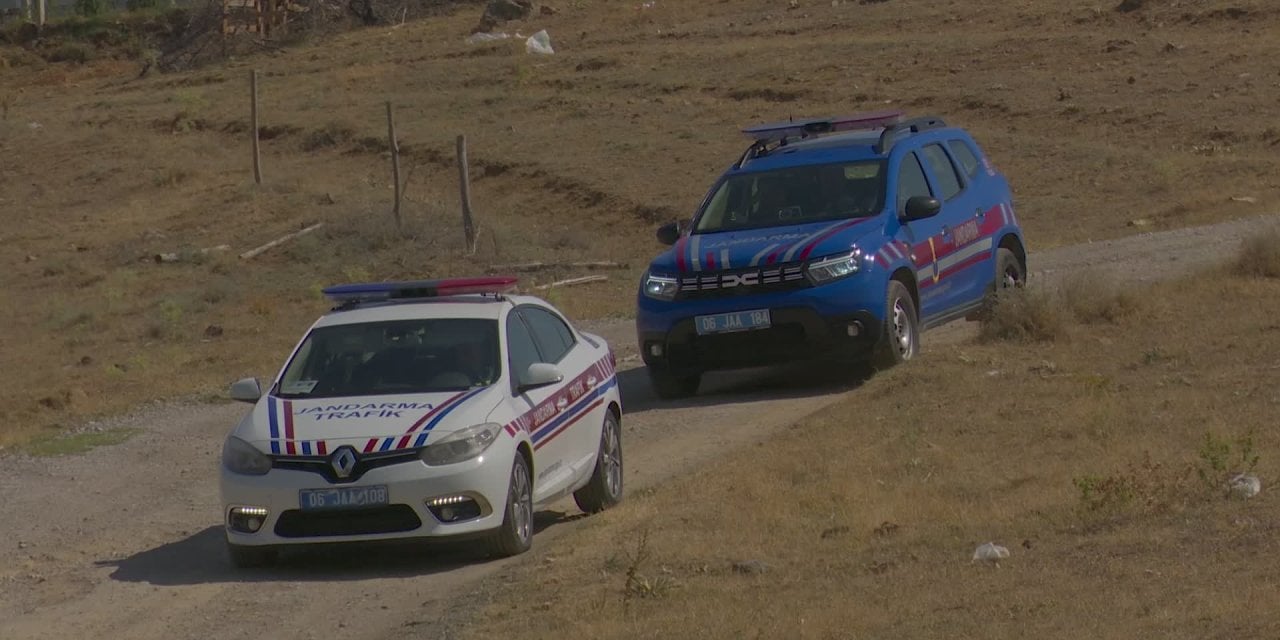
[(813, 126), (410, 289)]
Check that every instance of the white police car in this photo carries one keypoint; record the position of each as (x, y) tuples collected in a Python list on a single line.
[(423, 410)]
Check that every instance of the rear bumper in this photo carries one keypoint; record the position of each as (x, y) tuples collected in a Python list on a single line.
[(797, 333)]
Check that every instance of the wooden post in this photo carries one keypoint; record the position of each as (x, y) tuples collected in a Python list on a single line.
[(468, 228), (395, 160), (42, 12), (257, 157)]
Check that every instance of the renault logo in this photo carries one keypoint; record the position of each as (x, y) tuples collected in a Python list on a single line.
[(343, 461)]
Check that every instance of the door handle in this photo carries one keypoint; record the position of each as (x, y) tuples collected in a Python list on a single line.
[(946, 231), (980, 214)]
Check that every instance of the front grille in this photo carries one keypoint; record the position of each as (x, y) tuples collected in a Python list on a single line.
[(364, 462), (347, 522), (737, 282)]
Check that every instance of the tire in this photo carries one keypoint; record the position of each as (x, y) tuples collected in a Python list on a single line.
[(251, 557), (604, 489), (900, 336), (515, 536), (670, 385), (1010, 274)]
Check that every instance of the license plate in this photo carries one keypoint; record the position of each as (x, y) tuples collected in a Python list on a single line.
[(344, 498), (737, 321)]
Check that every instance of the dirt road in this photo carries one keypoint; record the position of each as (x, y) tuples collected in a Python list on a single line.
[(125, 542)]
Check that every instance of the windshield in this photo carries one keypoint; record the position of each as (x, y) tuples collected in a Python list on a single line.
[(795, 195), (401, 356)]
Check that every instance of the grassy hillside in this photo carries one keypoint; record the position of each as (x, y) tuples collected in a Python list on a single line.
[(1107, 123), (1096, 452)]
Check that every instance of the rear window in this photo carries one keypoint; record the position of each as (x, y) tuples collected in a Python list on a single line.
[(795, 195), (965, 156)]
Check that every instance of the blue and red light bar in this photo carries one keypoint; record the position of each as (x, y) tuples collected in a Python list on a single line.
[(419, 289), (775, 131)]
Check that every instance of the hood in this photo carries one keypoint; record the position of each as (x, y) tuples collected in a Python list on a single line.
[(758, 247), (299, 426)]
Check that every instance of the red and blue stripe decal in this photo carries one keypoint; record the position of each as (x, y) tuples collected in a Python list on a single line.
[(562, 410), (283, 440)]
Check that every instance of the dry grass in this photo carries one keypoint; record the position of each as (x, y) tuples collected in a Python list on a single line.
[(1084, 458), (1259, 256), (623, 128)]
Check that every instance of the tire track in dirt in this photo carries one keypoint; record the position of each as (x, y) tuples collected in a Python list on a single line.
[(125, 542)]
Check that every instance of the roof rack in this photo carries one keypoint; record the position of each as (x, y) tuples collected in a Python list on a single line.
[(778, 134), (914, 125), (349, 296)]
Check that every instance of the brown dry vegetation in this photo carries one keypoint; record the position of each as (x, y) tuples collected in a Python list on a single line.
[(1107, 122), (1098, 458)]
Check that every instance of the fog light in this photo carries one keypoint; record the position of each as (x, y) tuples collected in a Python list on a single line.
[(453, 508), (246, 519), (854, 329), (655, 349)]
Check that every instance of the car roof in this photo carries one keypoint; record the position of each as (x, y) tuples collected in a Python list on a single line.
[(482, 307), (841, 147), (478, 306)]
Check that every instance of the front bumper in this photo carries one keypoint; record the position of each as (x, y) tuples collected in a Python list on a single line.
[(409, 486)]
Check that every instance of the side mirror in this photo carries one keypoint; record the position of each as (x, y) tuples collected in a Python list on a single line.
[(669, 233), (921, 207), (540, 374), (246, 390)]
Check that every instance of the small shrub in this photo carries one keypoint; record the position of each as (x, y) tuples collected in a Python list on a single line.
[(1219, 459), (1023, 314), (1092, 298), (1259, 256), (1145, 486), (90, 8)]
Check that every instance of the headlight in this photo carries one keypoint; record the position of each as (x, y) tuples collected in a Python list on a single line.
[(660, 287), (834, 267), (461, 445), (239, 456)]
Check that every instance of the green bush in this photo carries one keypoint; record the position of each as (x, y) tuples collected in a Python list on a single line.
[(89, 8)]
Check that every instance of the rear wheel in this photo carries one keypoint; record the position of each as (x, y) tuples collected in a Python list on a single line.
[(515, 536), (673, 385), (1010, 274), (605, 487), (900, 338), (251, 557)]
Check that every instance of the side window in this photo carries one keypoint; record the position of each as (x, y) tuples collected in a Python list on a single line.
[(943, 170), (967, 158), (522, 351), (551, 333), (911, 181)]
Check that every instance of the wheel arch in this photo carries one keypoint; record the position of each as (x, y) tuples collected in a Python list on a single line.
[(1013, 243), (908, 279)]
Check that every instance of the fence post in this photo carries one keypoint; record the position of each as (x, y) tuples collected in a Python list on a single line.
[(257, 158), (468, 227), (395, 160)]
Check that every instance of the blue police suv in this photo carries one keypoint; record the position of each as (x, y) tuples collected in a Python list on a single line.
[(839, 237)]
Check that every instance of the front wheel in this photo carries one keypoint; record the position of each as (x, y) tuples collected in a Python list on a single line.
[(900, 338), (604, 489), (515, 536)]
